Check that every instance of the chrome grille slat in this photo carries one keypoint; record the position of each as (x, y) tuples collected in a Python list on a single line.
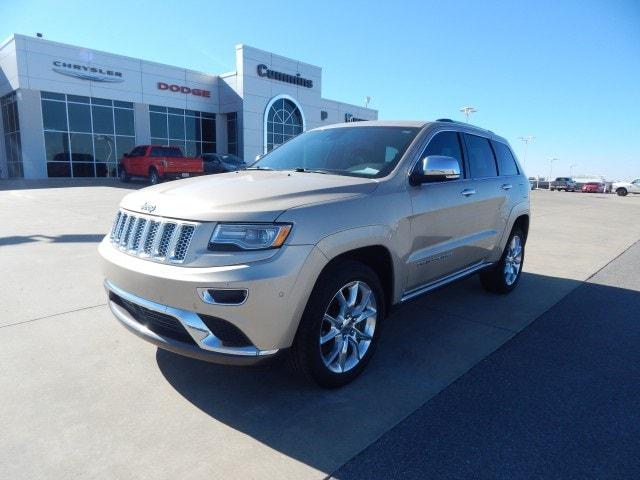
[(153, 238), (126, 230)]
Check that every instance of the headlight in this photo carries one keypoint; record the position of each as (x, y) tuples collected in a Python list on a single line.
[(235, 236)]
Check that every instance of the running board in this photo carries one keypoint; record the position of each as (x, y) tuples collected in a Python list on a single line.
[(439, 283)]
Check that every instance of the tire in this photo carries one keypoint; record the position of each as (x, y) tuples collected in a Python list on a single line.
[(498, 279), (124, 176), (324, 362), (622, 192), (154, 177)]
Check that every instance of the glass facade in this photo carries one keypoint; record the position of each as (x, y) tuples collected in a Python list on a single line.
[(284, 121), (232, 133), (11, 123), (85, 136), (194, 132)]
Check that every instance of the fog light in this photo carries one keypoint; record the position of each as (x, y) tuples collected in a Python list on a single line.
[(223, 296)]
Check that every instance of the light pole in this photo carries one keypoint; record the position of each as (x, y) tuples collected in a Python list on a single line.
[(551, 160), (571, 169), (367, 99), (468, 111), (527, 139)]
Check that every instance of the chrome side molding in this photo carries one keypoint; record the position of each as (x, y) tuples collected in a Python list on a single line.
[(443, 281)]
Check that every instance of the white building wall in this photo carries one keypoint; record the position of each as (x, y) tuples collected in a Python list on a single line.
[(26, 64)]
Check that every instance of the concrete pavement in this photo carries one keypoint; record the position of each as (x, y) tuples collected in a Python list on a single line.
[(81, 397), (560, 400)]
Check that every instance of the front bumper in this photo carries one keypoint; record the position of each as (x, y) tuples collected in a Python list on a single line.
[(206, 346), (278, 288)]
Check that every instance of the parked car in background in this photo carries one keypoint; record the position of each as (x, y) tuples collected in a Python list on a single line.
[(306, 251), (221, 163), (624, 188), (563, 183), (157, 163), (593, 187)]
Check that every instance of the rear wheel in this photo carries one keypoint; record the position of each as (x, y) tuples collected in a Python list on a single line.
[(505, 275), (124, 176), (341, 324), (622, 192), (154, 177)]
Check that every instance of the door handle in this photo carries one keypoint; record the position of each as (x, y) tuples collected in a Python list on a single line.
[(468, 192), (506, 186)]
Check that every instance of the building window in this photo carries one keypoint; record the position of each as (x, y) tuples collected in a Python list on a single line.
[(194, 132), (232, 133), (9, 107), (284, 120), (85, 137)]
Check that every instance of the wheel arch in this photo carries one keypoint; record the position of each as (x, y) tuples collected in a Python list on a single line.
[(371, 246)]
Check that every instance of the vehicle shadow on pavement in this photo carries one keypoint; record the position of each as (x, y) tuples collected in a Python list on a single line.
[(426, 345), (66, 238), (21, 184)]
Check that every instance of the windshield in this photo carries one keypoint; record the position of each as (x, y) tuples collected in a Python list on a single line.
[(356, 151)]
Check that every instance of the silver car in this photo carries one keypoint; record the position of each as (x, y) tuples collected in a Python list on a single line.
[(305, 252)]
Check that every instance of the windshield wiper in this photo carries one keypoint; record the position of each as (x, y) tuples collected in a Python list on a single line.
[(258, 167), (309, 170)]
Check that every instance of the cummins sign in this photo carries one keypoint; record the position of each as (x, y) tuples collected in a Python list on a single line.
[(86, 72), (296, 79)]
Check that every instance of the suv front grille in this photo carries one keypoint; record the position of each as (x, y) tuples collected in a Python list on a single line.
[(160, 239)]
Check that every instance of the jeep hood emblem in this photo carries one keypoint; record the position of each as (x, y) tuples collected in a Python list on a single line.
[(147, 207)]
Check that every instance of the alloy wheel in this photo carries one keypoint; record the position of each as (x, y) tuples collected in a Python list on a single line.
[(513, 260), (348, 327)]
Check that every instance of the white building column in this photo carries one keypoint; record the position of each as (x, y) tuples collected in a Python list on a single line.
[(143, 123), (34, 161)]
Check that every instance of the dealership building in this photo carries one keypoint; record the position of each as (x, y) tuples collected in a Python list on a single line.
[(68, 111)]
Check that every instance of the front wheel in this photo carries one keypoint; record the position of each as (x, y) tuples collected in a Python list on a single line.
[(622, 192), (505, 275), (340, 326), (154, 178)]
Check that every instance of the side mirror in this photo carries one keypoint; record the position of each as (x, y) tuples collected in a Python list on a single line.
[(126, 155), (435, 168)]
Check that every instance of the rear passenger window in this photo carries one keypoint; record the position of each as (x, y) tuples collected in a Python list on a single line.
[(448, 144), (506, 162), (157, 152), (482, 164)]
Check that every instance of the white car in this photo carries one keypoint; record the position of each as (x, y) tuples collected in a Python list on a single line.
[(622, 188)]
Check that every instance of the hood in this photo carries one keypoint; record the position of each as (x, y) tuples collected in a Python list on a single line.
[(250, 195)]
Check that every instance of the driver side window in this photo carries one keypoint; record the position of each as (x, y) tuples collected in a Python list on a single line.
[(447, 144)]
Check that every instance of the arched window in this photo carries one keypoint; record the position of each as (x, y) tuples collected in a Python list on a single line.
[(283, 120)]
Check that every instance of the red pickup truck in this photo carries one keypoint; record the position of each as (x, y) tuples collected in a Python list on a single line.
[(157, 162)]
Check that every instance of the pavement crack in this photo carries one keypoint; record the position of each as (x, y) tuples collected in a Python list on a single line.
[(52, 315)]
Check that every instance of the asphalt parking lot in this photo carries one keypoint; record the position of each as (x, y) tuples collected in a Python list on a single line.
[(83, 398)]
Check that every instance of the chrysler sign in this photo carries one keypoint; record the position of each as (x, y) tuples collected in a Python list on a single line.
[(86, 72)]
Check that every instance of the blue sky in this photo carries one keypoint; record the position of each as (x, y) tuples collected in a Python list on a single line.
[(567, 72)]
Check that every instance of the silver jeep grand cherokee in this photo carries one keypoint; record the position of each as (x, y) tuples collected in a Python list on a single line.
[(307, 250)]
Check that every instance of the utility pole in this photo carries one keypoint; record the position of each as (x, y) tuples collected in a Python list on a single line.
[(468, 111), (527, 139), (571, 169)]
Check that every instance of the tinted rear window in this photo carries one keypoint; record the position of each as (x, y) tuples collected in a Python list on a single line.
[(482, 163), (506, 162), (166, 152)]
